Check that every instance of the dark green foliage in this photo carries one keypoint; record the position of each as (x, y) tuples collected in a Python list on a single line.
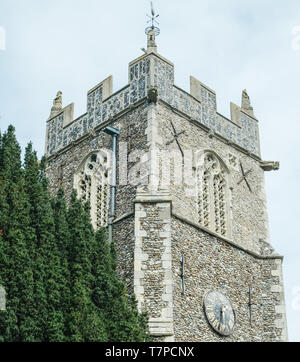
[(59, 275), (124, 323), (16, 271)]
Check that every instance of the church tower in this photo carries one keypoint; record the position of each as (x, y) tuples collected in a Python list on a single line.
[(180, 189)]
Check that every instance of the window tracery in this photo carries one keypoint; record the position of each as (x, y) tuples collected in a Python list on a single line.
[(92, 184), (212, 181)]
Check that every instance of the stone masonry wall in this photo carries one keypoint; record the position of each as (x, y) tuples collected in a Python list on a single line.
[(149, 247), (62, 167), (248, 221), (124, 237), (213, 264)]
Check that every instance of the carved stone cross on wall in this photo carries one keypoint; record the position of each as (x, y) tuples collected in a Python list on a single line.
[(244, 178)]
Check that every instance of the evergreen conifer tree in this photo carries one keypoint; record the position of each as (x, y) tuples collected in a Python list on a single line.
[(62, 238), (85, 323), (59, 275), (122, 320), (18, 321), (47, 267)]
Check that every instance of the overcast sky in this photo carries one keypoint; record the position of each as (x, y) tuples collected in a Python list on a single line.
[(230, 45)]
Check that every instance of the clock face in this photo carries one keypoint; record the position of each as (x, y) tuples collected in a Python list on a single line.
[(219, 313)]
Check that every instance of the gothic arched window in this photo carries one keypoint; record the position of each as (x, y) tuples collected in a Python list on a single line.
[(212, 193), (91, 183)]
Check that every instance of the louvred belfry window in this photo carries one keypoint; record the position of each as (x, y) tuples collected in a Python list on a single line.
[(92, 185), (212, 194)]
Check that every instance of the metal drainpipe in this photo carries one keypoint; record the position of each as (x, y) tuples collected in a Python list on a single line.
[(114, 133)]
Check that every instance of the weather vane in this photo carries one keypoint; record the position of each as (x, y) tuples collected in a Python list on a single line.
[(153, 21)]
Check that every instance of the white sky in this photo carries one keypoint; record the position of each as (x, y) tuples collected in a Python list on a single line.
[(230, 45)]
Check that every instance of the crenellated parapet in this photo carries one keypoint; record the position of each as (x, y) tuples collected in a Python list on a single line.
[(152, 71)]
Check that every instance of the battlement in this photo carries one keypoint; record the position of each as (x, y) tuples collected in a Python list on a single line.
[(149, 71)]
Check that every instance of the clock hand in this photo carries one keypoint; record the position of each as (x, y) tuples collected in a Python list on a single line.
[(221, 319)]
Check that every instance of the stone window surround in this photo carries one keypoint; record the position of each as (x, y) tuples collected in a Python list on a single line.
[(99, 217), (227, 197)]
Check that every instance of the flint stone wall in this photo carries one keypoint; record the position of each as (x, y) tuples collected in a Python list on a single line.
[(213, 264)]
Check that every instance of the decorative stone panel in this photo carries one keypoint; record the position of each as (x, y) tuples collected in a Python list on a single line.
[(148, 71)]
